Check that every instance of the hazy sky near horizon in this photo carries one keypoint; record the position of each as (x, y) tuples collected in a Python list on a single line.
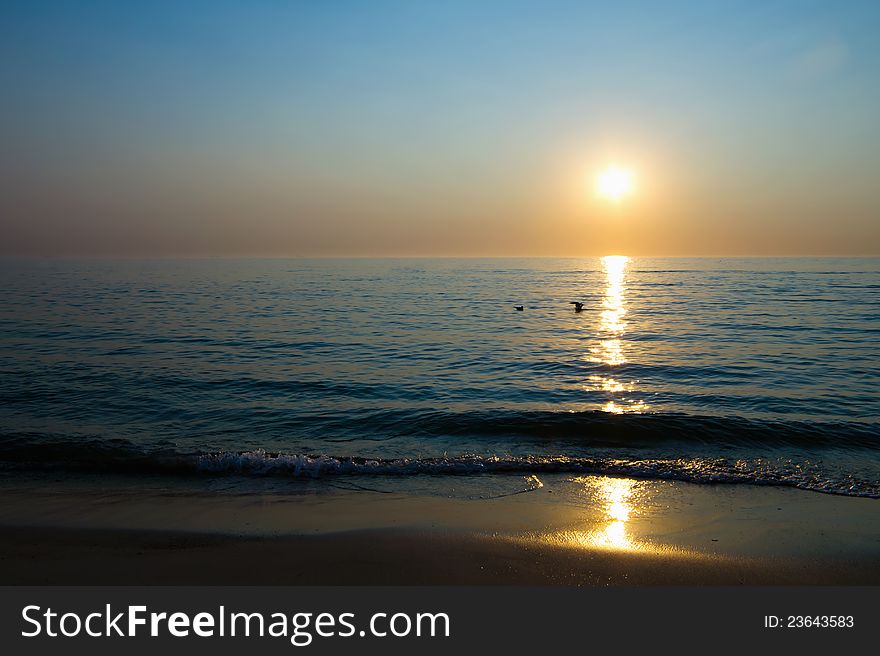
[(438, 128)]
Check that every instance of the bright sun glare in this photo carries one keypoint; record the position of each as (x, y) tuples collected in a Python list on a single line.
[(615, 183)]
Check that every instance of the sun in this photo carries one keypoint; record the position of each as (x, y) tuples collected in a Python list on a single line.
[(615, 183)]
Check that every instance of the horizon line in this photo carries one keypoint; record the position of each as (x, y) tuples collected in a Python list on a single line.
[(31, 256)]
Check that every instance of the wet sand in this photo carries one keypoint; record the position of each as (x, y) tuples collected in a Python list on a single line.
[(585, 531), (36, 556)]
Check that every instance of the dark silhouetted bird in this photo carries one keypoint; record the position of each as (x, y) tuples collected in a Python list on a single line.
[(519, 308), (578, 306)]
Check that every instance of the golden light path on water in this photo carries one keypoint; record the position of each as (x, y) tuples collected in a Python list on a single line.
[(616, 497), (615, 500), (612, 502), (609, 349)]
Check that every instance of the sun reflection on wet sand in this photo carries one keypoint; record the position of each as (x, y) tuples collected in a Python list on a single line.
[(618, 500)]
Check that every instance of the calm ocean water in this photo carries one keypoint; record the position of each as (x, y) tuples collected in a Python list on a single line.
[(707, 370)]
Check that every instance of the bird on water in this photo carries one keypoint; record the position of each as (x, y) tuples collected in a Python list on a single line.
[(519, 308), (578, 306)]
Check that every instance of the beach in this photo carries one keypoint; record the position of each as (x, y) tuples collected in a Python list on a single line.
[(568, 532), (698, 421)]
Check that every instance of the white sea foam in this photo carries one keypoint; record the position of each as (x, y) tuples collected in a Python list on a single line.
[(696, 470)]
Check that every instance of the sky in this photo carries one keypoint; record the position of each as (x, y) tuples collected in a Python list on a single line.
[(472, 128)]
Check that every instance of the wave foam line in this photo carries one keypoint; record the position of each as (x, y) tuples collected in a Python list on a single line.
[(700, 470)]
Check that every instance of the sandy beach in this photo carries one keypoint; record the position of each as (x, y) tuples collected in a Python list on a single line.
[(581, 531)]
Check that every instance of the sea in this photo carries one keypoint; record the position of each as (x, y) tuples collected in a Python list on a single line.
[(417, 374)]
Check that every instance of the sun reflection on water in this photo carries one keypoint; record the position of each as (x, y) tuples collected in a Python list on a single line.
[(612, 316), (609, 347)]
